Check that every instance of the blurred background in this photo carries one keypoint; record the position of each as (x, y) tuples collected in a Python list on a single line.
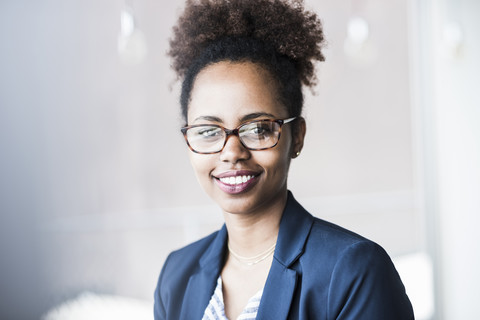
[(96, 188)]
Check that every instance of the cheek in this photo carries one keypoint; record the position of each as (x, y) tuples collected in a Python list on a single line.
[(201, 164), (284, 157), (283, 151), (277, 161)]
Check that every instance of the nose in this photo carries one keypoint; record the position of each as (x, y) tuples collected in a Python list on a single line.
[(234, 150)]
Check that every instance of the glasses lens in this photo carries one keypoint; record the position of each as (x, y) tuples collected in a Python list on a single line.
[(259, 134), (207, 138)]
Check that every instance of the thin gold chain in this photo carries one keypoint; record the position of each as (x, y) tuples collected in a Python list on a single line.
[(250, 261)]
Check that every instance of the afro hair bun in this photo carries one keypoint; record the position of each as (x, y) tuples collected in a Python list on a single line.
[(284, 25)]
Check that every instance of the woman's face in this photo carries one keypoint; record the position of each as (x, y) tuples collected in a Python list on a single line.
[(229, 94)]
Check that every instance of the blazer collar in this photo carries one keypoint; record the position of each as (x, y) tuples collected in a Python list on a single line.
[(215, 254), (282, 279), (294, 230), (202, 283)]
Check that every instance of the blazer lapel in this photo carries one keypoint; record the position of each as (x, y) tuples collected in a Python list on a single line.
[(278, 293), (282, 279), (202, 283)]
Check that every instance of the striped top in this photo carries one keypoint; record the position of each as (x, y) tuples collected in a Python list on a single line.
[(216, 309)]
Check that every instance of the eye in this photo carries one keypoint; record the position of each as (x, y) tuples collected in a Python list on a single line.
[(259, 129), (209, 132)]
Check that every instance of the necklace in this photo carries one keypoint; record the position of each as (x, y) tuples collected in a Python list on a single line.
[(250, 261)]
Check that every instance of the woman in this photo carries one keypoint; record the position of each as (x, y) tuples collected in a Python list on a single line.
[(243, 64)]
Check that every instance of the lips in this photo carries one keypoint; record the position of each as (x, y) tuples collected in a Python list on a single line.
[(235, 182)]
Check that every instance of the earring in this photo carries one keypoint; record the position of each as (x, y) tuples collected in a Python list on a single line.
[(296, 154)]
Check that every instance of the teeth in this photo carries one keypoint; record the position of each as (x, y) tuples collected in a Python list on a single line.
[(236, 180)]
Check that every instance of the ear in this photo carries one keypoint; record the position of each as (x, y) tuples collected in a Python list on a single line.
[(298, 136)]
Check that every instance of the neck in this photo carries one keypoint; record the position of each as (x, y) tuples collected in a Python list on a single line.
[(253, 233)]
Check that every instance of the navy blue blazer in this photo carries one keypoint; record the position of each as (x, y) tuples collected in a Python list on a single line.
[(319, 271)]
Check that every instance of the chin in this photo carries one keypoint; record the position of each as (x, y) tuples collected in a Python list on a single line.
[(235, 206)]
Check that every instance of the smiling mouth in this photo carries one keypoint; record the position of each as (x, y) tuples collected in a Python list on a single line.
[(237, 180), (235, 183)]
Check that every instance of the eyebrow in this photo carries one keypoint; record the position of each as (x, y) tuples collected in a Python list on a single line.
[(250, 116), (208, 118), (256, 115)]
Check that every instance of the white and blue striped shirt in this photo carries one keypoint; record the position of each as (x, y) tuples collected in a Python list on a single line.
[(216, 308)]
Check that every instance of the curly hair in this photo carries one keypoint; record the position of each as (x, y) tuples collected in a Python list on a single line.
[(280, 35)]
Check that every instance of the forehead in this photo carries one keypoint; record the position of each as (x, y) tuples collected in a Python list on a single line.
[(229, 90)]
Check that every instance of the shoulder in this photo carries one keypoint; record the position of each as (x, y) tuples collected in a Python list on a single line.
[(336, 235), (358, 275), (337, 248), (342, 250), (315, 239), (328, 244)]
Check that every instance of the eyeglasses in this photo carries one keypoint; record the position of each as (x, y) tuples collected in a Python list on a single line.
[(254, 135)]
